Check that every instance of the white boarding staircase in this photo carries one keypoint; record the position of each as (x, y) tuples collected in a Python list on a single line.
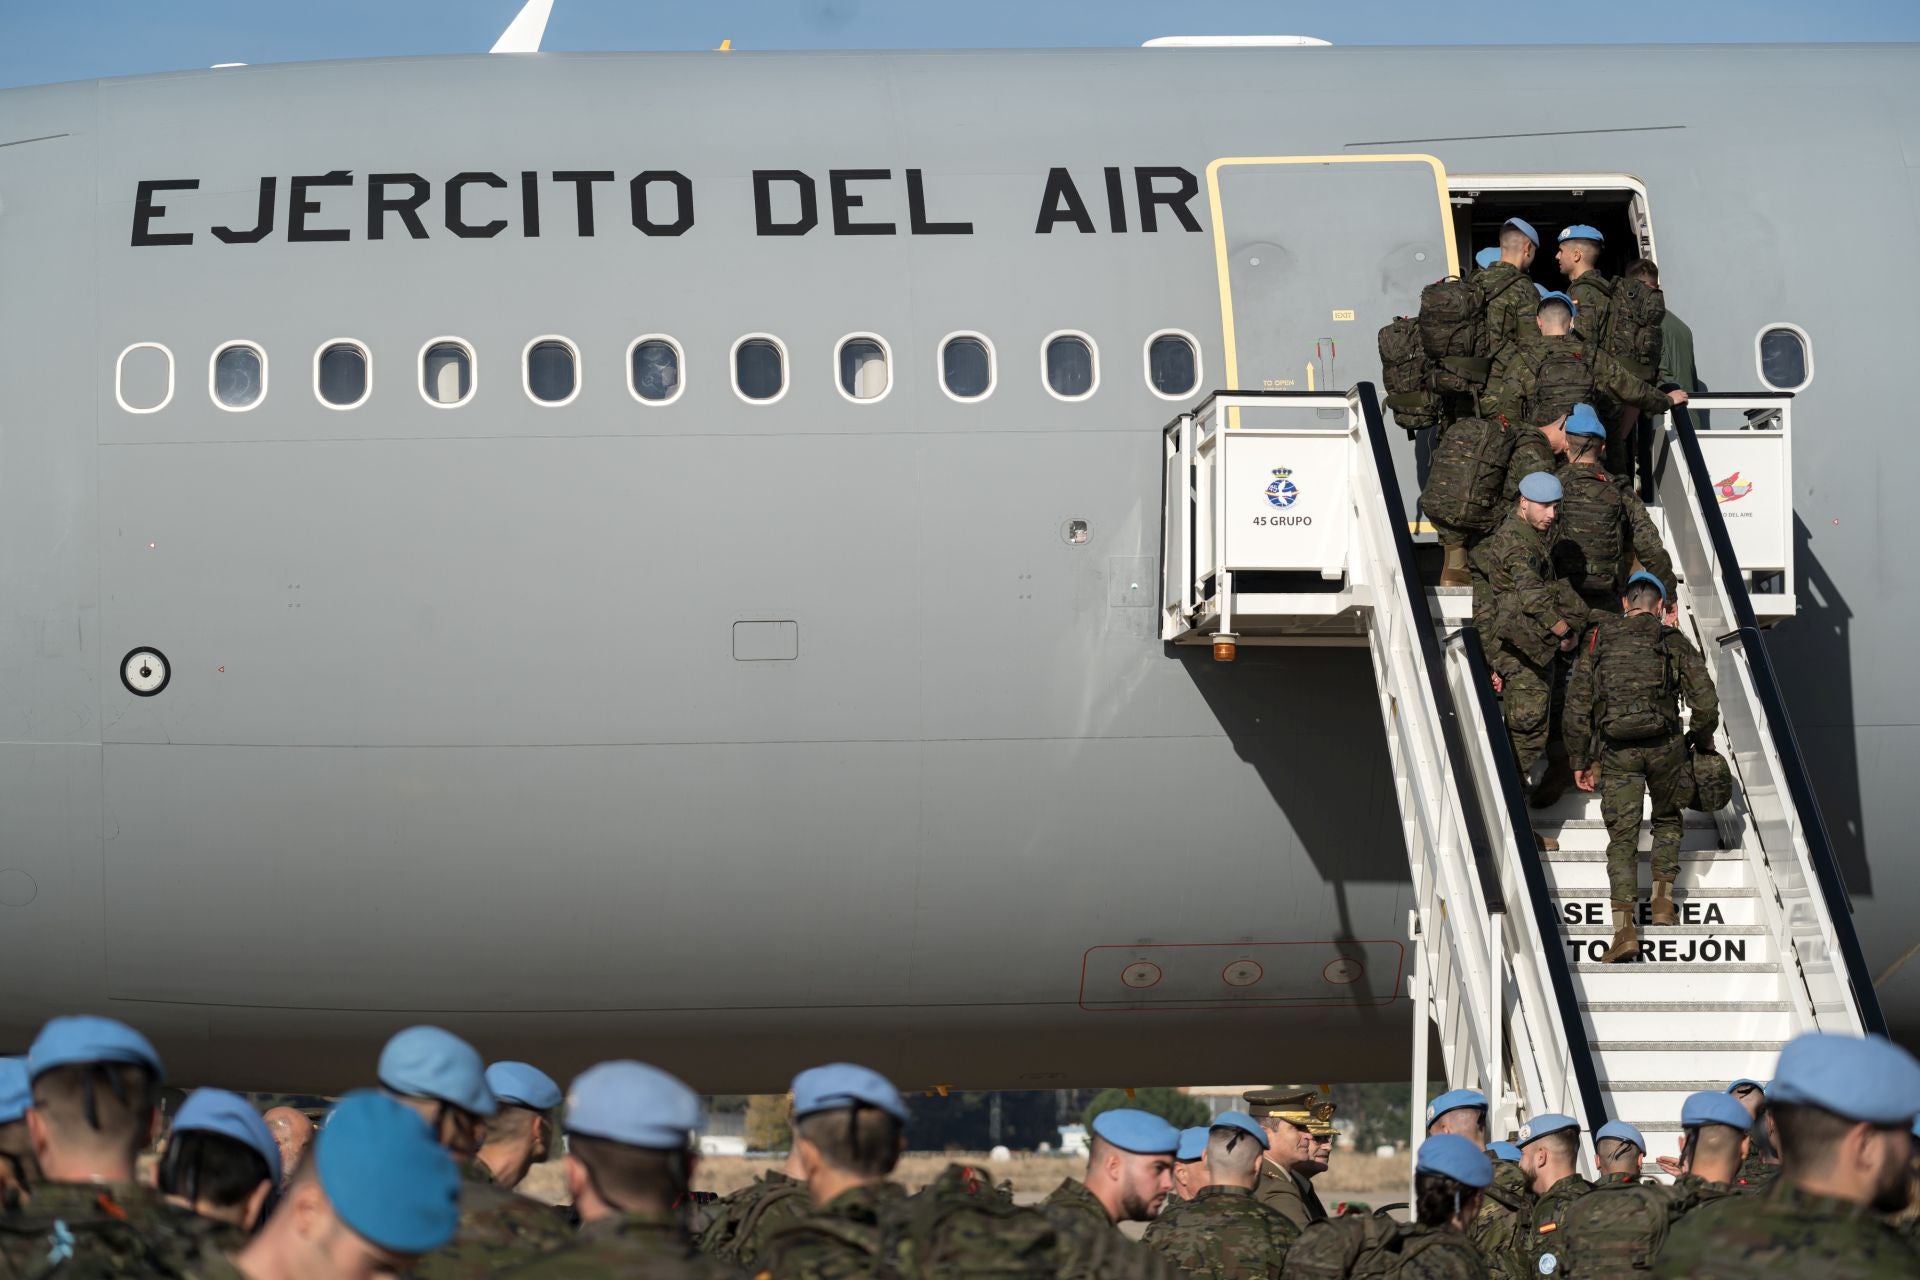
[(1284, 526)]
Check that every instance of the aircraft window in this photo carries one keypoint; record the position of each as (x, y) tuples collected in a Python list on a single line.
[(1173, 364), (238, 376), (1073, 371), (864, 368), (760, 368), (653, 370), (342, 375), (551, 366), (143, 378), (1786, 357), (967, 366), (446, 373)]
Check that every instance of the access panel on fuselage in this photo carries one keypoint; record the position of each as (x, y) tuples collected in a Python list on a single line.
[(1314, 254)]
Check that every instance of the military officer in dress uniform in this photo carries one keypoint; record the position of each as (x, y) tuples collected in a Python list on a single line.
[(1288, 1119)]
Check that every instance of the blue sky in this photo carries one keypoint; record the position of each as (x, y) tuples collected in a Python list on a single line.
[(48, 40)]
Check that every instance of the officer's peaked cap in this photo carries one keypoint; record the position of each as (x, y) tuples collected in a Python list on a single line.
[(83, 1038), (428, 1062), (386, 1175)]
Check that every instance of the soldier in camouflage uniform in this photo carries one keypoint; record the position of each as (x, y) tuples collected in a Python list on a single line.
[(1762, 1163), (1843, 1107), (1129, 1173), (1526, 616), (1189, 1176), (1512, 299), (1623, 733), (1289, 1119), (629, 1163), (1545, 378), (18, 1169), (95, 1086), (1549, 1154), (1507, 1209), (1224, 1233), (1617, 1227), (1716, 1143), (743, 1223), (442, 1079), (1578, 257), (221, 1166), (520, 1135), (1451, 1175)]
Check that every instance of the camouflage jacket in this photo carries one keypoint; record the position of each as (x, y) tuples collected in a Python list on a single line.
[(1756, 1175), (1549, 1215), (1600, 521), (743, 1223), (1508, 1207), (1519, 599), (1613, 383), (1632, 644), (1531, 452), (1592, 293), (1512, 303), (839, 1239), (1163, 1221), (1438, 1253), (99, 1229), (1691, 1191), (1615, 1229), (1223, 1233), (1786, 1234), (654, 1245), (498, 1229), (1091, 1246), (1289, 1194)]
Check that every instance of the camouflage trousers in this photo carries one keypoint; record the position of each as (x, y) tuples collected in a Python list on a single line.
[(1527, 705), (1621, 431), (1629, 772)]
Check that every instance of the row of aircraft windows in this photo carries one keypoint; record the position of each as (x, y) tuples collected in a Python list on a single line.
[(656, 370)]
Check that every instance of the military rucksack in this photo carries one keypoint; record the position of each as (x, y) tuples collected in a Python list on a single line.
[(1712, 782), (1633, 334), (732, 1230), (1615, 1229), (1631, 707), (1403, 372), (1467, 474), (1563, 379), (959, 1225), (1355, 1247), (1453, 332)]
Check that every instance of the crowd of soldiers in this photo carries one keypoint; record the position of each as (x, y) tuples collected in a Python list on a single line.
[(1575, 596), (1814, 1173)]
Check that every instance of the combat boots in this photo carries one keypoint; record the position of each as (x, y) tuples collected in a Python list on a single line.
[(1664, 912), (1547, 844), (1555, 781), (1454, 572), (1626, 935)]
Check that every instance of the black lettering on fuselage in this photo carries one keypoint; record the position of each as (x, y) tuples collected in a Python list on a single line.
[(1061, 202), (583, 180), (844, 202), (299, 206), (763, 221), (146, 212), (379, 204), (917, 212), (683, 197), (263, 219), (456, 214), (1176, 201), (1116, 199), (529, 204)]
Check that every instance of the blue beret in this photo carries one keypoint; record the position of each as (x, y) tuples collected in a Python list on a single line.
[(1641, 575), (1539, 486), (230, 1116), (85, 1038), (1193, 1144), (1554, 295), (1581, 231), (1486, 257), (633, 1104), (1861, 1078), (1504, 1151), (1583, 421), (1454, 1099), (1245, 1123), (1545, 1123), (427, 1062), (386, 1175), (522, 1084), (1453, 1156), (16, 1089), (1140, 1132), (840, 1085), (1524, 227), (1714, 1108), (1761, 1085), (1625, 1132)]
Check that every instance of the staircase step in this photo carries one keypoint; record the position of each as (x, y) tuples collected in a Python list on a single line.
[(1642, 1070), (1567, 854), (1679, 983), (1595, 838), (1706, 872), (1766, 1020)]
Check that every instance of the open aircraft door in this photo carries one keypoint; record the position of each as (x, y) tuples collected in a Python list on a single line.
[(1314, 255)]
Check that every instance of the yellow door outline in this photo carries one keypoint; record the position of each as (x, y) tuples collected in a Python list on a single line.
[(1220, 227)]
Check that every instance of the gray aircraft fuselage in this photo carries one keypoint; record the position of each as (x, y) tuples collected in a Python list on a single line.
[(739, 736)]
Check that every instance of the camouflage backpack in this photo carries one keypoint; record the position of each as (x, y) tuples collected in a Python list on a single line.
[(1354, 1247), (958, 1225), (1467, 474), (1632, 708), (1403, 371), (1615, 1230), (733, 1229), (1633, 334), (1453, 331), (1712, 779), (1562, 380)]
